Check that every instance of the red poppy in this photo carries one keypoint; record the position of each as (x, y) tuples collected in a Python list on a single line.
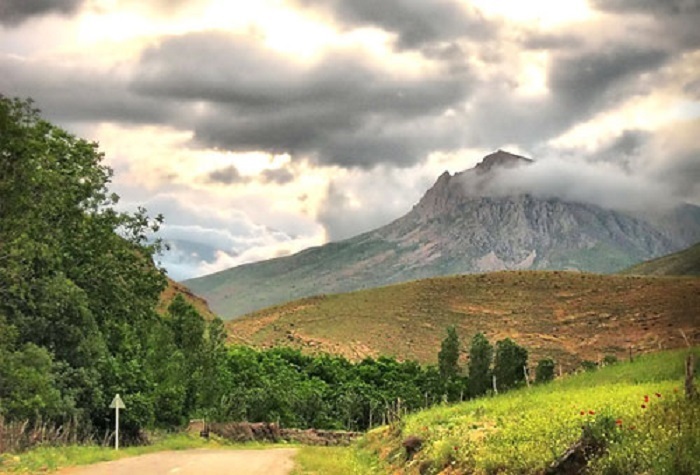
[(456, 448), (618, 422), (591, 413), (583, 413), (658, 394), (644, 406), (646, 398)]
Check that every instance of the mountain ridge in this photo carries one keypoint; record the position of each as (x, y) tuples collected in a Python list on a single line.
[(457, 227)]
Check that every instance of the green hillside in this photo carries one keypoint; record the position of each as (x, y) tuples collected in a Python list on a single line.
[(568, 316), (686, 262), (638, 411)]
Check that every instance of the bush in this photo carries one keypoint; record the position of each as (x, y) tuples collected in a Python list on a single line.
[(545, 370)]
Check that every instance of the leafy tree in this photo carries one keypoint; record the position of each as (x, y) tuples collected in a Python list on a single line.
[(545, 370), (508, 364), (76, 276), (480, 356), (448, 357)]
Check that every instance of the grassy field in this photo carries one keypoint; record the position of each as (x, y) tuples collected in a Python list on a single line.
[(564, 315), (637, 408), (685, 262)]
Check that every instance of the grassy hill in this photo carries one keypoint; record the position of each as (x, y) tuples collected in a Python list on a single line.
[(685, 262), (565, 315), (637, 408), (175, 288)]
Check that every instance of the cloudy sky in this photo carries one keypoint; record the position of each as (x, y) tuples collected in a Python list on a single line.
[(259, 128)]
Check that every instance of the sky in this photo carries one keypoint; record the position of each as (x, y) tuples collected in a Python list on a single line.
[(260, 128)]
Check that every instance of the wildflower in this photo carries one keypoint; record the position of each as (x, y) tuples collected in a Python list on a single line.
[(644, 406), (618, 422), (591, 413), (646, 398), (456, 448), (632, 427), (658, 394), (583, 413)]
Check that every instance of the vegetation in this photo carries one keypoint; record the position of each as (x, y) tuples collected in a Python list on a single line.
[(565, 316), (80, 295), (335, 461), (480, 356), (545, 370), (686, 262), (636, 411)]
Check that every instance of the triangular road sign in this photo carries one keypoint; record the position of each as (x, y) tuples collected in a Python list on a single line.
[(117, 403)]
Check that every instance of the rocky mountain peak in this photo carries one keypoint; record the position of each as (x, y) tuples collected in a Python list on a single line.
[(501, 158), (448, 192)]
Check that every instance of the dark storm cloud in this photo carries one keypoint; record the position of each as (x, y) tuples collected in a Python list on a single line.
[(16, 12), (581, 84), (69, 94), (674, 21), (583, 81), (226, 176), (665, 7), (415, 22), (341, 110), (281, 176)]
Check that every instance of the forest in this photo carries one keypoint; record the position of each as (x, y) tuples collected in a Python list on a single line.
[(79, 291)]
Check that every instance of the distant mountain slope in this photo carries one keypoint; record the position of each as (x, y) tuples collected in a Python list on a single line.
[(566, 315), (458, 228), (685, 262)]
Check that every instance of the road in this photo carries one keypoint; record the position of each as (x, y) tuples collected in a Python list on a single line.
[(196, 462)]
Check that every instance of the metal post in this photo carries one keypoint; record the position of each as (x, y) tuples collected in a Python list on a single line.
[(116, 432)]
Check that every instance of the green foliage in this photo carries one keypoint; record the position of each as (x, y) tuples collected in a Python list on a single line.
[(448, 357), (588, 365), (77, 280), (545, 370), (610, 359), (509, 364), (480, 356), (524, 431)]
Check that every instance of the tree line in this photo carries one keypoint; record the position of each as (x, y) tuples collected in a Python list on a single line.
[(78, 322)]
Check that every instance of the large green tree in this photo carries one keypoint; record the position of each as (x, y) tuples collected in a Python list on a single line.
[(76, 275), (509, 364), (448, 356), (480, 356)]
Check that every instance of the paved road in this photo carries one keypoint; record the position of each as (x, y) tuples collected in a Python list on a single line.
[(196, 462)]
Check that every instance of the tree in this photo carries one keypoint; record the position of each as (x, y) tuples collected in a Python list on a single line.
[(545, 370), (77, 278), (509, 364), (480, 355), (448, 357)]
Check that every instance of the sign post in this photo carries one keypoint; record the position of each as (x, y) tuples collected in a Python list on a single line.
[(117, 404)]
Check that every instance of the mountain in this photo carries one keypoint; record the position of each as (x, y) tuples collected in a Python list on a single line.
[(459, 226), (686, 262), (568, 316)]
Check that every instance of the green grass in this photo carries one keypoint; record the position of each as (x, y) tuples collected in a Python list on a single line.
[(686, 262), (48, 459), (524, 431), (335, 461)]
